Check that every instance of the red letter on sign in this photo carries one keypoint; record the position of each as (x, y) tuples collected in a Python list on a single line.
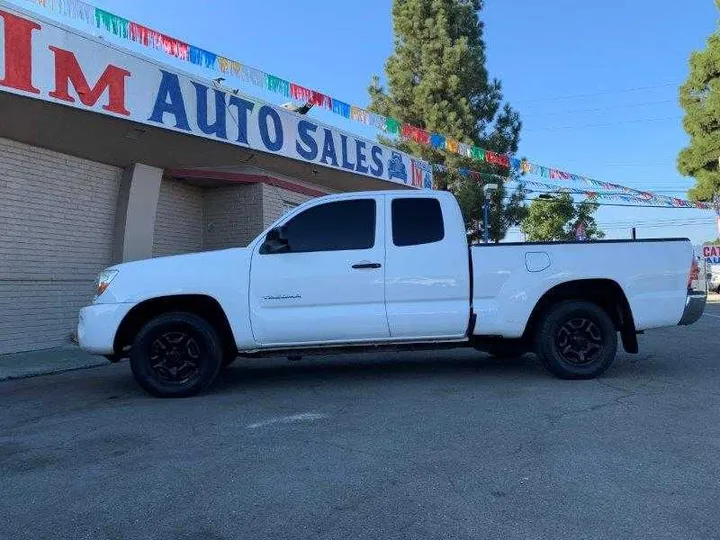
[(67, 70), (706, 252), (18, 52)]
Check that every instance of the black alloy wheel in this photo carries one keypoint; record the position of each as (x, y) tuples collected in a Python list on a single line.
[(576, 340), (579, 341), (176, 355)]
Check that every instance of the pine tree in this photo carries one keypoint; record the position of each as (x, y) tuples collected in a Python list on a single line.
[(700, 97), (437, 80), (555, 219)]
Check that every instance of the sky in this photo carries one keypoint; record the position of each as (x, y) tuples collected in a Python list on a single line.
[(595, 83)]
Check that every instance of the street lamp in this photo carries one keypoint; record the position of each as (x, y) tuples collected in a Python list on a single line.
[(486, 205)]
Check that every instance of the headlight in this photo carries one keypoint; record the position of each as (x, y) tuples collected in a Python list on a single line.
[(103, 282)]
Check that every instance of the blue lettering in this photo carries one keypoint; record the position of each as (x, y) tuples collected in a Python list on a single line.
[(310, 150), (377, 155), (361, 157), (329, 149), (263, 115), (345, 162), (219, 127), (170, 90), (244, 108)]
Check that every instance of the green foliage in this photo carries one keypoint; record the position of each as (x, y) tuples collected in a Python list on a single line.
[(437, 80), (556, 219), (700, 97), (712, 242)]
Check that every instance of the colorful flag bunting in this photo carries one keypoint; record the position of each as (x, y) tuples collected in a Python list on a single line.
[(112, 23), (392, 126), (320, 100), (277, 85), (376, 120), (359, 115), (199, 56), (341, 108), (437, 140), (230, 67), (252, 76), (132, 31)]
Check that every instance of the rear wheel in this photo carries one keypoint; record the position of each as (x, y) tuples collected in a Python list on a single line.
[(176, 355), (576, 340)]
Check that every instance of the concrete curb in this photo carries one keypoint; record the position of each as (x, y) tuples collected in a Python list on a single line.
[(47, 362)]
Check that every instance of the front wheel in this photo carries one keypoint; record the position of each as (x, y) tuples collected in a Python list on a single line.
[(576, 340), (176, 355)]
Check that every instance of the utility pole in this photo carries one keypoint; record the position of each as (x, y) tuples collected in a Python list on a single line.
[(486, 208)]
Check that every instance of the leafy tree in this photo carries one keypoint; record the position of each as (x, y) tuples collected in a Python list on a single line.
[(700, 97), (556, 218), (437, 80)]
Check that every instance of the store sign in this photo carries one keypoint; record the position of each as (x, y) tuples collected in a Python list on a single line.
[(43, 60), (711, 254)]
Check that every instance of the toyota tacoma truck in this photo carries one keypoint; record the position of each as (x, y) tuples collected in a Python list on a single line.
[(371, 271)]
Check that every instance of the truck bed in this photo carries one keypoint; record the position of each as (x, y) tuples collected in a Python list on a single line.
[(509, 279)]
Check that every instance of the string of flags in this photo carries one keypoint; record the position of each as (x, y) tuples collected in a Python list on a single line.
[(632, 197), (147, 37)]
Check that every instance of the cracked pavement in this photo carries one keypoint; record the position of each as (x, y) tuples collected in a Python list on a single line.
[(426, 445)]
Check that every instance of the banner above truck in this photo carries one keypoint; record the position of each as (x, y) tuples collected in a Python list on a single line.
[(47, 61)]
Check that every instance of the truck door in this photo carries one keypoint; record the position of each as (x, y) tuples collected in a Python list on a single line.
[(427, 273), (320, 278)]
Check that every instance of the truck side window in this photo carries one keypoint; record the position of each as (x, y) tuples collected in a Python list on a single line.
[(334, 226), (417, 221)]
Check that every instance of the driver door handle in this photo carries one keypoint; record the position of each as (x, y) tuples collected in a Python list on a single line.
[(366, 265)]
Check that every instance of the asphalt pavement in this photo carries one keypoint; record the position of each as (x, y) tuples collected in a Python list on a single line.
[(391, 446)]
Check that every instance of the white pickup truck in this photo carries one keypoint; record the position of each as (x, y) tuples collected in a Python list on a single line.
[(390, 269)]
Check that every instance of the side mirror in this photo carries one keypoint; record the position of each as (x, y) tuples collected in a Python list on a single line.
[(275, 242)]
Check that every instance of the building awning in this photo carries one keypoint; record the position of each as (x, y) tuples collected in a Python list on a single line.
[(71, 92)]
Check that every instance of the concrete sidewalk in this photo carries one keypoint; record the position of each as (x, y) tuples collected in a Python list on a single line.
[(30, 364)]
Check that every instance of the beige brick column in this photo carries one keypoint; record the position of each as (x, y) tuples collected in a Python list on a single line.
[(136, 210)]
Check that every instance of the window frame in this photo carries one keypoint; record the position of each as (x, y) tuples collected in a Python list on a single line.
[(373, 232)]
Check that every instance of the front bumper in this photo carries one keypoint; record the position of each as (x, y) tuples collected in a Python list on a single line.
[(98, 325), (694, 308)]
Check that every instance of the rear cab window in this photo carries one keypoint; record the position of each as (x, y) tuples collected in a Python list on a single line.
[(417, 221)]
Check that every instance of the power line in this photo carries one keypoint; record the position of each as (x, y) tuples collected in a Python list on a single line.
[(576, 203), (601, 93), (607, 124), (657, 222), (599, 109)]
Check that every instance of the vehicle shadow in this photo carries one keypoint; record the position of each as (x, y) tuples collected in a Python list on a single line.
[(392, 366)]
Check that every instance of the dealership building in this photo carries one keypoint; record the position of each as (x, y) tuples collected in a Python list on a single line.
[(107, 156)]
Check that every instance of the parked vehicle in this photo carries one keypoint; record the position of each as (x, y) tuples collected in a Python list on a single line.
[(714, 280), (391, 269)]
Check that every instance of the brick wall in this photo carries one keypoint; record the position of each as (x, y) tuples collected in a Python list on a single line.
[(57, 214), (179, 220), (232, 215), (274, 201)]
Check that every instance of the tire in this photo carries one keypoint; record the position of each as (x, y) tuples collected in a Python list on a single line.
[(176, 355), (576, 340)]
